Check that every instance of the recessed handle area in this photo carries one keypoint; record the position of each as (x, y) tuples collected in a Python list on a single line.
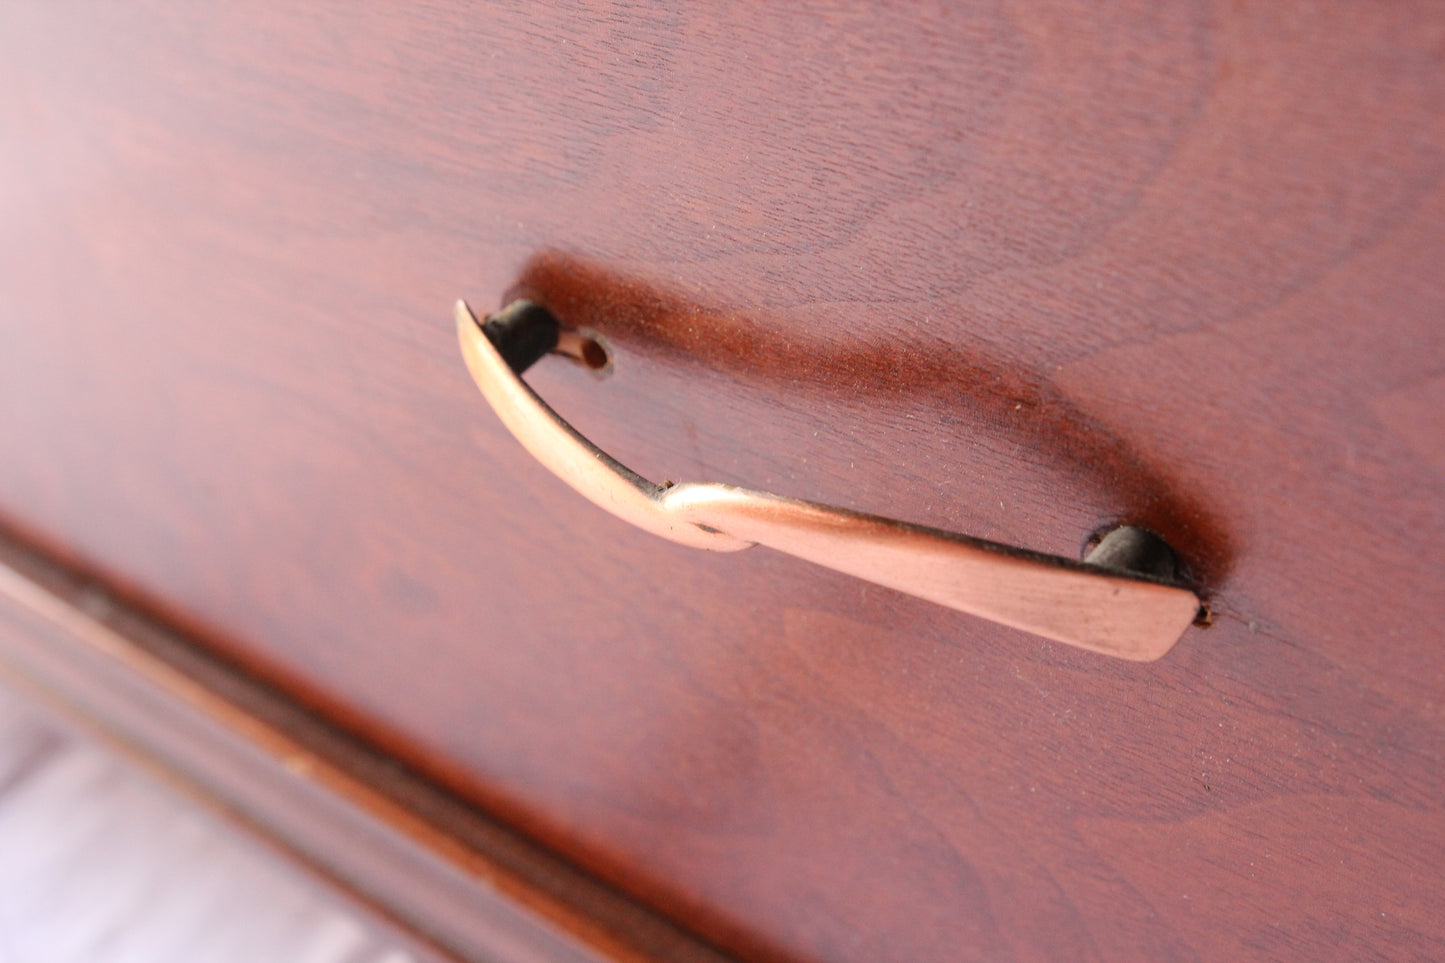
[(1122, 600)]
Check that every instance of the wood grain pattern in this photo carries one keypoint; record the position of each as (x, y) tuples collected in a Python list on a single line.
[(1017, 269)]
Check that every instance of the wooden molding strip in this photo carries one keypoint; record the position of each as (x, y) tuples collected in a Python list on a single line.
[(444, 872)]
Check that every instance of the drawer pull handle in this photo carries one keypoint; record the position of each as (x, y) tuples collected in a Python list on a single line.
[(1122, 600)]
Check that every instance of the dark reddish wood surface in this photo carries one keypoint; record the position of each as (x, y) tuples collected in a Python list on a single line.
[(1017, 270)]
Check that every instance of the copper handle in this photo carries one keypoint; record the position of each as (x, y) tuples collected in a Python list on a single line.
[(1108, 603)]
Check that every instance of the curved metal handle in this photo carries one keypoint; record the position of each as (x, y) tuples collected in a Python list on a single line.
[(1108, 603)]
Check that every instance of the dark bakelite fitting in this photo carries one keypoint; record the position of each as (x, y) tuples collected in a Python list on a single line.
[(522, 333)]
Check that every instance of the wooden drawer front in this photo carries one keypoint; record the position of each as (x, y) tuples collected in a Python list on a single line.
[(1019, 271)]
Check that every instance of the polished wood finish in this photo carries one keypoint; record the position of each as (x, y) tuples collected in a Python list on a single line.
[(1023, 271)]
